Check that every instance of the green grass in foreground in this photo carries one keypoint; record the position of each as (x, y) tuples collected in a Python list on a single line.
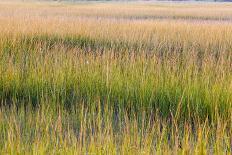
[(52, 129)]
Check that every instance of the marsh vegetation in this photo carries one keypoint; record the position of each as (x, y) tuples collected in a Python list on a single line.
[(115, 78)]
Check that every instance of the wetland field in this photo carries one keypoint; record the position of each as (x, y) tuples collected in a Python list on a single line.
[(115, 78)]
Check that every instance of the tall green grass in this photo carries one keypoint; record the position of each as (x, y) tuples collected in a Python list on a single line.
[(185, 83), (51, 129), (115, 86)]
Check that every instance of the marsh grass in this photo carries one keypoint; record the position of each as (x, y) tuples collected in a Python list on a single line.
[(114, 86), (51, 129)]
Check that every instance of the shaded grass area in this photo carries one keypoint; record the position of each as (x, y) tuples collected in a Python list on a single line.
[(162, 48), (60, 69), (31, 42)]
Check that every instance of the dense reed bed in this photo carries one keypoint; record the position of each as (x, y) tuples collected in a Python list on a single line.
[(53, 130), (83, 79)]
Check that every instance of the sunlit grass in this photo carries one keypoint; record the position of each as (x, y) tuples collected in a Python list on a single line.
[(50, 129), (73, 81)]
